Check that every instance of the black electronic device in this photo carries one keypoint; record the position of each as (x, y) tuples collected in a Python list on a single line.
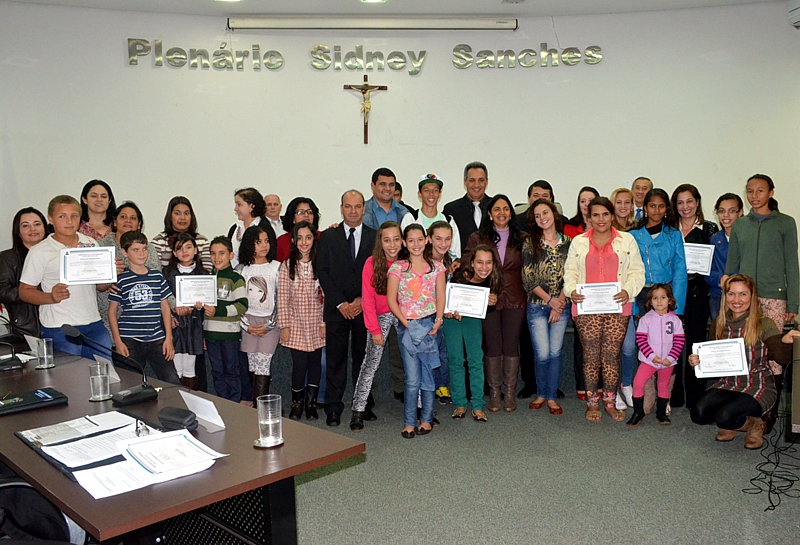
[(12, 362), (128, 396)]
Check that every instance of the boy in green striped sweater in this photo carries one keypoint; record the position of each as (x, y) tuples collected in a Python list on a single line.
[(221, 328)]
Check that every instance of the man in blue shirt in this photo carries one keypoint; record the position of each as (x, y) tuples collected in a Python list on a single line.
[(382, 207)]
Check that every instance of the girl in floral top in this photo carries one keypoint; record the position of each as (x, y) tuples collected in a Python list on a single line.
[(300, 319), (415, 293)]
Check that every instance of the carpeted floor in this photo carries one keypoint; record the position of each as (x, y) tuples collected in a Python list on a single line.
[(530, 477)]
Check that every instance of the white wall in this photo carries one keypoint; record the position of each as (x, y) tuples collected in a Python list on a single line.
[(706, 96)]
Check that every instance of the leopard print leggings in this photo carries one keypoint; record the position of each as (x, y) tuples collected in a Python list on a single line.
[(601, 336)]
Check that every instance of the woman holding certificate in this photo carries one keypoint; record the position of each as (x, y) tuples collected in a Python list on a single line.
[(736, 403), (697, 232), (543, 258), (602, 272), (501, 328)]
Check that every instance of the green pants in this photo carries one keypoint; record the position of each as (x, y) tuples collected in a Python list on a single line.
[(468, 333)]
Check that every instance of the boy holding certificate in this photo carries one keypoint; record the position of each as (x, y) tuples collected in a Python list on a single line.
[(140, 332), (59, 303)]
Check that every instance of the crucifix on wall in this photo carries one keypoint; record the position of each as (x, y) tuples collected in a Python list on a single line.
[(365, 89)]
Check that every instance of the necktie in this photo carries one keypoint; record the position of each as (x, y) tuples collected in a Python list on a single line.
[(351, 241), (476, 214), (638, 215)]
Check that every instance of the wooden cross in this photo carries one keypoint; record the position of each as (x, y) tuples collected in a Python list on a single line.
[(365, 89)]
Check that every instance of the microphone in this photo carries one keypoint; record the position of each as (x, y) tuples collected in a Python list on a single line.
[(10, 362), (129, 396)]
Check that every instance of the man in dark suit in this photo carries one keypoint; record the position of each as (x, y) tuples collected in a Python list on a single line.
[(340, 260), (468, 210)]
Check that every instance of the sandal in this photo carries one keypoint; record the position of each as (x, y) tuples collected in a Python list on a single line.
[(617, 415), (408, 434), (581, 395), (479, 416), (459, 413), (424, 431), (593, 414), (555, 410), (536, 404)]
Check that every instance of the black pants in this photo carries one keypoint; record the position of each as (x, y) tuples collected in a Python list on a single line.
[(527, 357), (687, 387), (727, 409), (337, 339), (501, 330), (303, 362), (150, 353)]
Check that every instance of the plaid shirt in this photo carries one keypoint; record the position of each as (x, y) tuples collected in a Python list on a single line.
[(300, 305)]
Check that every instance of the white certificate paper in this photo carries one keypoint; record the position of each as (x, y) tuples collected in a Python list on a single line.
[(698, 258), (467, 300), (190, 289), (93, 265), (599, 298), (723, 358)]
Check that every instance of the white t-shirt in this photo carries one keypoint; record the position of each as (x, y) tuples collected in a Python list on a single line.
[(426, 222), (42, 268)]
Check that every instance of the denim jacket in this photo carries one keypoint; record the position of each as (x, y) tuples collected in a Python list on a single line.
[(664, 261), (418, 343)]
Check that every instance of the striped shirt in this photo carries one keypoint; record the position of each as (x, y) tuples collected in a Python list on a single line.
[(231, 305), (140, 297)]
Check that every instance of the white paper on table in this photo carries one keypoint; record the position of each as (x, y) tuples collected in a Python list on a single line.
[(75, 429), (33, 343), (205, 411), (698, 258), (599, 298), (90, 265), (722, 358), (112, 373), (110, 480), (91, 449), (167, 452), (20, 356), (191, 288)]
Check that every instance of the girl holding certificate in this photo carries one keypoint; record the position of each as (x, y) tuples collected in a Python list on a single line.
[(500, 231), (602, 255), (415, 293), (465, 334), (543, 258), (378, 318), (737, 403), (691, 222)]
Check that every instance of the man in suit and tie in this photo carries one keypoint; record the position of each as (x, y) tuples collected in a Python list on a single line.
[(467, 210), (640, 187), (340, 260)]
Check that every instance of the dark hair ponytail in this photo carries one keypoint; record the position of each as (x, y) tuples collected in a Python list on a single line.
[(773, 204)]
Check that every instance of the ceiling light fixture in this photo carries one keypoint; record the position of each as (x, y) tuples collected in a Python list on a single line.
[(307, 23), (373, 1)]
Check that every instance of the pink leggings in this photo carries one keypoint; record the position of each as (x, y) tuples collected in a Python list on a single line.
[(643, 374)]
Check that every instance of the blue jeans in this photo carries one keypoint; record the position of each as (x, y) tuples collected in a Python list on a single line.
[(96, 331), (418, 370), (629, 352), (713, 304), (548, 339), (441, 375), (224, 358)]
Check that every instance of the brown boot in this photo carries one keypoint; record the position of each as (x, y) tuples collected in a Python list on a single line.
[(510, 374), (725, 435), (260, 386), (755, 432), (494, 370), (189, 382)]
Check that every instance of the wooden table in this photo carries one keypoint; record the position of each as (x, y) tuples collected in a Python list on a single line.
[(267, 473)]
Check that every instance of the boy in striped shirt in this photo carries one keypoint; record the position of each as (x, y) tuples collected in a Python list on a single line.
[(143, 331)]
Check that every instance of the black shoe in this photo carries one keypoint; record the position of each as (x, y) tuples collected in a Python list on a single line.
[(661, 411), (333, 420), (527, 391), (635, 419), (638, 412), (400, 396), (369, 416), (560, 394), (357, 421), (298, 404)]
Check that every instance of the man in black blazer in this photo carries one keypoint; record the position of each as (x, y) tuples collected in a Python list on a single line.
[(340, 260), (463, 210)]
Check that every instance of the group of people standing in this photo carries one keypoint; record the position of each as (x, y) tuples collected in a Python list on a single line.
[(376, 281)]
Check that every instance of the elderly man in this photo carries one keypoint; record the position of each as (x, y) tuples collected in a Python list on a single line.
[(640, 187), (274, 207)]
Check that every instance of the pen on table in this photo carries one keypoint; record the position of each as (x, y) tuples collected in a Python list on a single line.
[(5, 402), (90, 420)]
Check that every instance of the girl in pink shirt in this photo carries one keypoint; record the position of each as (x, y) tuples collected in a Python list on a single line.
[(377, 317)]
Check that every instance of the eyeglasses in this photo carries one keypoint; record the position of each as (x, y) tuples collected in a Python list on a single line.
[(730, 212), (303, 212)]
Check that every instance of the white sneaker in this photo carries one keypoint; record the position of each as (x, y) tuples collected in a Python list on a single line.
[(627, 394), (621, 406)]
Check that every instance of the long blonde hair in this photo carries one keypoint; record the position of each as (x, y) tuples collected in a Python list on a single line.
[(630, 219), (752, 325)]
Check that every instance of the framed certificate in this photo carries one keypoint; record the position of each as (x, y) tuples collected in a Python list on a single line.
[(698, 258), (467, 300), (723, 358), (190, 289), (599, 298), (93, 265)]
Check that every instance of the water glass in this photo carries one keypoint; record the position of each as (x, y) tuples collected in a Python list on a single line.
[(44, 351), (270, 423), (99, 381)]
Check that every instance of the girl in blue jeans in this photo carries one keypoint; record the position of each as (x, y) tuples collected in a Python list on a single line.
[(543, 258), (415, 295)]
